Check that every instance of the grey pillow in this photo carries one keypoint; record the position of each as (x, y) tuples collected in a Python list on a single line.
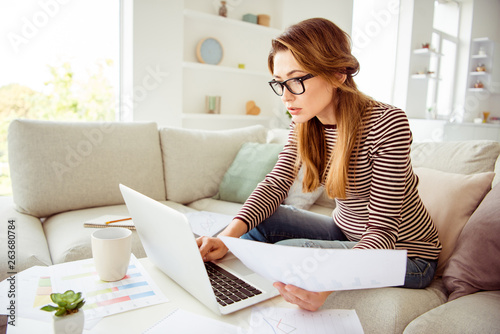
[(62, 166)]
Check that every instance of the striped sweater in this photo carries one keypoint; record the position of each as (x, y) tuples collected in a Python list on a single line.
[(382, 208)]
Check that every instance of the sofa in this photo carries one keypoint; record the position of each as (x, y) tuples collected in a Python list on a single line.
[(66, 173)]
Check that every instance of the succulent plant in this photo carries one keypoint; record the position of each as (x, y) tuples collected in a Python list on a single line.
[(67, 303)]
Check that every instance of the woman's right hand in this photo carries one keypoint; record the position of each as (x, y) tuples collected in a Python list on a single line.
[(211, 248)]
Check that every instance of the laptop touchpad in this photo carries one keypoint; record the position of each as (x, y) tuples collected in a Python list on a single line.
[(237, 266)]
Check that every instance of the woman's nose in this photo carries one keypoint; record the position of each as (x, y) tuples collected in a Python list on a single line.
[(287, 96)]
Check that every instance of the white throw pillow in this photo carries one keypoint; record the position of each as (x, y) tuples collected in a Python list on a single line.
[(463, 157), (62, 166), (195, 161), (451, 199)]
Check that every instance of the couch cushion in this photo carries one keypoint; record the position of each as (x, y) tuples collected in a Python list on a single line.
[(69, 241), (476, 313), (496, 180), (299, 199), (464, 157), (387, 310), (61, 166), (195, 161), (250, 166), (475, 263), (451, 199), (30, 245), (214, 205)]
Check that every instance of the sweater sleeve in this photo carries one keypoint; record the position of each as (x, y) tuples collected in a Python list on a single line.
[(271, 192), (390, 152)]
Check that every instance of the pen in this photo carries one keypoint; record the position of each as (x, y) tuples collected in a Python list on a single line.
[(116, 221)]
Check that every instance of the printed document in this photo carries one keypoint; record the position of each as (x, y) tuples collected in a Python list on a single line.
[(319, 269)]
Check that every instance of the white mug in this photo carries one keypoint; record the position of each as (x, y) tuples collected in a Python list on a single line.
[(111, 249)]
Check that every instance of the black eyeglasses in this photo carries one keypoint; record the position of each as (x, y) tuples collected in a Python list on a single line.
[(294, 85)]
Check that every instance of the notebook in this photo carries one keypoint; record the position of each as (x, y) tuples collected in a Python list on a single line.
[(170, 244), (110, 221)]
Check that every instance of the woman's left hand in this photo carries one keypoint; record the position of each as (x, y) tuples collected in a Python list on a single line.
[(306, 300)]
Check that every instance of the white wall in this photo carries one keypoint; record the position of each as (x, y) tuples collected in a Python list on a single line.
[(151, 57), (337, 11)]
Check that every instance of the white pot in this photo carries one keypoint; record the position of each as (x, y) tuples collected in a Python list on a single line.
[(69, 324)]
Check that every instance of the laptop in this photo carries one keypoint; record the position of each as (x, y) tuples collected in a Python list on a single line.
[(170, 244)]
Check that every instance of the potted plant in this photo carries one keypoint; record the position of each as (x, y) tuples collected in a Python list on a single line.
[(67, 318)]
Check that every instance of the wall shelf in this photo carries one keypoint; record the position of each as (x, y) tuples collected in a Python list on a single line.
[(215, 19), (220, 68), (481, 55), (225, 117), (423, 76), (426, 52), (479, 74), (243, 43)]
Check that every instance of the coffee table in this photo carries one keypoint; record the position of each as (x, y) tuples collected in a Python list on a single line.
[(139, 320)]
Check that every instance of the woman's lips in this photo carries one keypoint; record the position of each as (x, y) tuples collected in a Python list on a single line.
[(294, 111)]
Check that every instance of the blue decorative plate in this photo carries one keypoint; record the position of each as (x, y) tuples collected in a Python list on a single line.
[(209, 51)]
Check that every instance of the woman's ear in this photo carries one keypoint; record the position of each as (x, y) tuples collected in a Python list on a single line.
[(341, 77)]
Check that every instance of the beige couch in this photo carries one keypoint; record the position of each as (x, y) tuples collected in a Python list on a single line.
[(66, 173)]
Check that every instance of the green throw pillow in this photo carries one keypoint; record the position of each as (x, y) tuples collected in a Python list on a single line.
[(252, 163)]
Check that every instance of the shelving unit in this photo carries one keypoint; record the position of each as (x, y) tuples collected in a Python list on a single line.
[(481, 54), (243, 43), (424, 64)]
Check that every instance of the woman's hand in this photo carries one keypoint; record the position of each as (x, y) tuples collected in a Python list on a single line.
[(306, 300), (211, 248)]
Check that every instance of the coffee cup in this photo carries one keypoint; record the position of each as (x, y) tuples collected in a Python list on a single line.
[(111, 249)]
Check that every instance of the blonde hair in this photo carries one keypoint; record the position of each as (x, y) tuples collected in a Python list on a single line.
[(323, 49)]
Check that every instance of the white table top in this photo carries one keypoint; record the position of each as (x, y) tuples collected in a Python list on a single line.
[(141, 319)]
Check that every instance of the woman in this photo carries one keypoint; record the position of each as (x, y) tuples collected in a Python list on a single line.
[(358, 148)]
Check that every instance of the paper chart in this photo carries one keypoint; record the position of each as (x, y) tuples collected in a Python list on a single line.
[(135, 290), (35, 285), (281, 320), (204, 223)]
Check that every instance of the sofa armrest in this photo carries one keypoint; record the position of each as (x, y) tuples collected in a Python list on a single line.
[(24, 234), (474, 313)]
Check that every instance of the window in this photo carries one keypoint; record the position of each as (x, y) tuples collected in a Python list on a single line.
[(445, 42), (374, 38), (59, 62)]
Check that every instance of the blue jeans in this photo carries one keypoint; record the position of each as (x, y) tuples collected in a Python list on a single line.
[(301, 228)]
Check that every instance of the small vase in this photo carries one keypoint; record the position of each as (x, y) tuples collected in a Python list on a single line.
[(69, 324)]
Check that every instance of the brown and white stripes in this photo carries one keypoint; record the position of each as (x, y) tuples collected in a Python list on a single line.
[(382, 209)]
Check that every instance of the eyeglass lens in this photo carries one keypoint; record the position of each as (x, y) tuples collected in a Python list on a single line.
[(295, 86)]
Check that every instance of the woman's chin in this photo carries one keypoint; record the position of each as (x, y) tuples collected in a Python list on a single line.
[(299, 119)]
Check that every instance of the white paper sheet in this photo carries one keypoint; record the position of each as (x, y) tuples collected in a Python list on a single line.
[(274, 320), (317, 269), (205, 223), (185, 322)]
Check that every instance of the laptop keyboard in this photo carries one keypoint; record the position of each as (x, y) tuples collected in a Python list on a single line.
[(228, 288)]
